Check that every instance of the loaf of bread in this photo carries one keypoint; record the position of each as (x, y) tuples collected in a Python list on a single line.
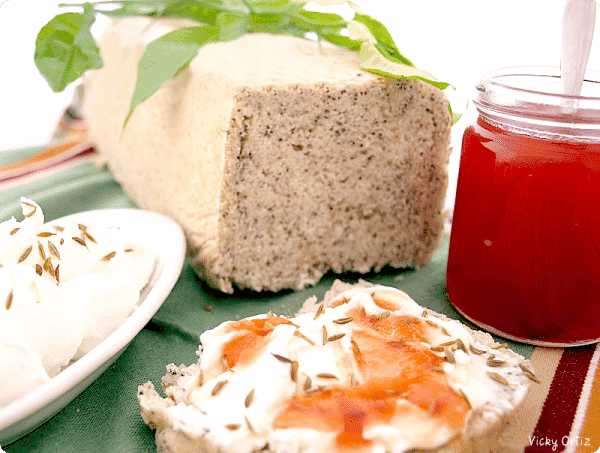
[(366, 370), (280, 158)]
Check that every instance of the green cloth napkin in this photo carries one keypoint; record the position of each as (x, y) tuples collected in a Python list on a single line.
[(106, 417)]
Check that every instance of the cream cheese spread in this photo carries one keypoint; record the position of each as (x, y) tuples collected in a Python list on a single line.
[(374, 371), (63, 289)]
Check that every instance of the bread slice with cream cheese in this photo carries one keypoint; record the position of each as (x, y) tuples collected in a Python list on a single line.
[(368, 370), (278, 155)]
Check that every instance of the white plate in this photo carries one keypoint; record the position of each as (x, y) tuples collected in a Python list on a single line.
[(166, 239)]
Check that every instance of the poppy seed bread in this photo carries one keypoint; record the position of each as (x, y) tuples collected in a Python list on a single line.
[(280, 158)]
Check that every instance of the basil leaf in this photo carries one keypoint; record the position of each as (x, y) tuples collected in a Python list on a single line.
[(231, 26), (377, 29), (134, 8), (237, 7), (192, 10), (393, 54), (323, 19), (372, 60), (65, 48), (274, 6), (283, 27), (385, 42), (165, 57), (204, 11), (271, 21), (455, 116), (229, 6), (343, 41), (320, 23)]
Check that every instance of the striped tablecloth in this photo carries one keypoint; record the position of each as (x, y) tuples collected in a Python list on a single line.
[(560, 414)]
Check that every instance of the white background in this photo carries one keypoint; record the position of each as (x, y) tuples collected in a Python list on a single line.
[(456, 40)]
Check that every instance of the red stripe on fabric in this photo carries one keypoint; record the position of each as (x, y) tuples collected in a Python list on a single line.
[(46, 165), (551, 433)]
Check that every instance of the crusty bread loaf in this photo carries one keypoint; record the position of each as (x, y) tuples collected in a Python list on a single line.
[(280, 158), (182, 424)]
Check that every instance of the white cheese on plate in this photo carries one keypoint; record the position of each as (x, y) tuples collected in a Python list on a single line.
[(63, 289)]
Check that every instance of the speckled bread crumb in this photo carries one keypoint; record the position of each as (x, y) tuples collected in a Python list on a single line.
[(281, 161)]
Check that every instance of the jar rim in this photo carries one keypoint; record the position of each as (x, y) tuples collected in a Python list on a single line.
[(490, 78), (528, 99)]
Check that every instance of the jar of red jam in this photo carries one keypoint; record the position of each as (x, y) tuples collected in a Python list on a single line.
[(524, 258)]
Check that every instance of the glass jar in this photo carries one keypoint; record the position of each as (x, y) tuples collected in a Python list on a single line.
[(524, 259)]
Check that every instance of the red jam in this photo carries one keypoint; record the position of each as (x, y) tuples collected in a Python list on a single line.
[(252, 338), (394, 366), (524, 256)]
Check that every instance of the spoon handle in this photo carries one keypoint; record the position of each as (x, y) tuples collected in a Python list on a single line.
[(579, 18)]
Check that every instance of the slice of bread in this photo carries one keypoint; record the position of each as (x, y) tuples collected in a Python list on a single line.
[(280, 158), (366, 369)]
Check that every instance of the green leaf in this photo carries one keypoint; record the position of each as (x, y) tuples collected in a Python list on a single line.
[(65, 48), (133, 8), (385, 42), (270, 20), (231, 26), (377, 29), (372, 60), (274, 6), (192, 10), (165, 57), (343, 41), (323, 19), (455, 116), (393, 54), (320, 23), (205, 11), (202, 11), (284, 28)]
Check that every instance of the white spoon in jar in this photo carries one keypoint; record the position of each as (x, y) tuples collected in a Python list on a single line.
[(579, 19)]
